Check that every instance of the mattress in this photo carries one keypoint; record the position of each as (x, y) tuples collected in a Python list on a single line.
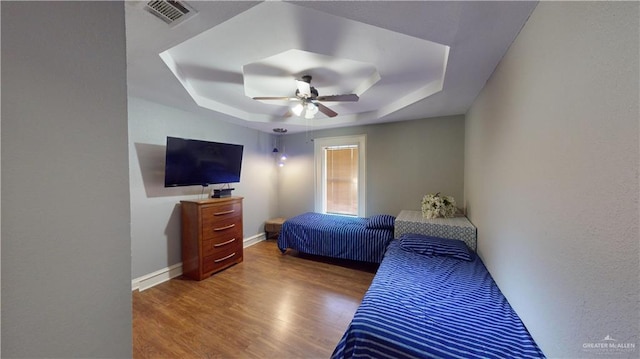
[(422, 306), (335, 236)]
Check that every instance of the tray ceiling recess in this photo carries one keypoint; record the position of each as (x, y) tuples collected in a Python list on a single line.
[(263, 51), (405, 60)]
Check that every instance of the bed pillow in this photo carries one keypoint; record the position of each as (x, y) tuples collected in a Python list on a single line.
[(435, 246), (381, 221)]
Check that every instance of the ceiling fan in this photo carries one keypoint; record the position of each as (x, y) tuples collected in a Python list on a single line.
[(308, 100)]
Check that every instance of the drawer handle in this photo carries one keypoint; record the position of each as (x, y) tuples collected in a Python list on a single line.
[(224, 212), (225, 227), (224, 243), (225, 258)]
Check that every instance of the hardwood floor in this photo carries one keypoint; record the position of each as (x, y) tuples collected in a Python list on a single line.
[(269, 306)]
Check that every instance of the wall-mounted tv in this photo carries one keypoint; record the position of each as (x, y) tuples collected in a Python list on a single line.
[(195, 162)]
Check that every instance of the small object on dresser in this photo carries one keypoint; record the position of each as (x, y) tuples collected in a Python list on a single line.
[(222, 193)]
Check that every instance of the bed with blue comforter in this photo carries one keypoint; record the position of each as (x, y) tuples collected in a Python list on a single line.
[(354, 238), (434, 301)]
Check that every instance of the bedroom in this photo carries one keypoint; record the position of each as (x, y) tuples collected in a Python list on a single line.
[(530, 178)]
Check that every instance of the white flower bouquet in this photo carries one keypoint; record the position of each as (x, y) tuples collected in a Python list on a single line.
[(435, 205)]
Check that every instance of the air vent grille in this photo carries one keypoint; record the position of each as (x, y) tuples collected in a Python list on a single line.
[(169, 11)]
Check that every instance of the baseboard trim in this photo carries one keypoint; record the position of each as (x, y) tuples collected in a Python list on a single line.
[(157, 277), (248, 242), (162, 275)]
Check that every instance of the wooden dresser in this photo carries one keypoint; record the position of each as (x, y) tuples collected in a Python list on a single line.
[(211, 236)]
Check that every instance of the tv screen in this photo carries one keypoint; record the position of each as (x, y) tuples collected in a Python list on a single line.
[(194, 162)]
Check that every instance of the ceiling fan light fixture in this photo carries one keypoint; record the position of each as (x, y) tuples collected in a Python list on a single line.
[(312, 108), (297, 109), (307, 103)]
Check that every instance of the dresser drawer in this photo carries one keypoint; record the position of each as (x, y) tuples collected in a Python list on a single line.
[(222, 259), (219, 211), (214, 246), (223, 229)]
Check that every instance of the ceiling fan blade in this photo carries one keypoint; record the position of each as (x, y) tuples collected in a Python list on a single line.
[(327, 111), (304, 88), (345, 98), (276, 98)]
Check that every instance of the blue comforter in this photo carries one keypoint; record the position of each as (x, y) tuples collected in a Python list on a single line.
[(334, 236), (434, 307)]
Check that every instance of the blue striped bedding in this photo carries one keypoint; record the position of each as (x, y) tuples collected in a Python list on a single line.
[(434, 307), (334, 236)]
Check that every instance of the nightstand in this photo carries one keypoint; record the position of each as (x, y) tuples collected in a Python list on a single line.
[(273, 227), (451, 228)]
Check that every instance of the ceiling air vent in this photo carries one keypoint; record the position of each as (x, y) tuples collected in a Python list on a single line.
[(171, 12)]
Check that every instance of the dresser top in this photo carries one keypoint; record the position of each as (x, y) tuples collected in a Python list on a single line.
[(416, 216), (212, 200)]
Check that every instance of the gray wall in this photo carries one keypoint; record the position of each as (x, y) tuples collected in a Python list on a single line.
[(155, 211), (551, 175), (66, 250), (405, 161)]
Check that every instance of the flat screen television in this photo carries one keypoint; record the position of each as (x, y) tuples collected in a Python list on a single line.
[(195, 162)]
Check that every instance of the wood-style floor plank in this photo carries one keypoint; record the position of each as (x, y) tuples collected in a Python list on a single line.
[(269, 306)]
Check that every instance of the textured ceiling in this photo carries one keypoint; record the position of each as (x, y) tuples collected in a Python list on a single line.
[(406, 60)]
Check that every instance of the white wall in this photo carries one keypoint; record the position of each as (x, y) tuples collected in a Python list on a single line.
[(551, 175), (155, 210), (66, 250), (405, 161)]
